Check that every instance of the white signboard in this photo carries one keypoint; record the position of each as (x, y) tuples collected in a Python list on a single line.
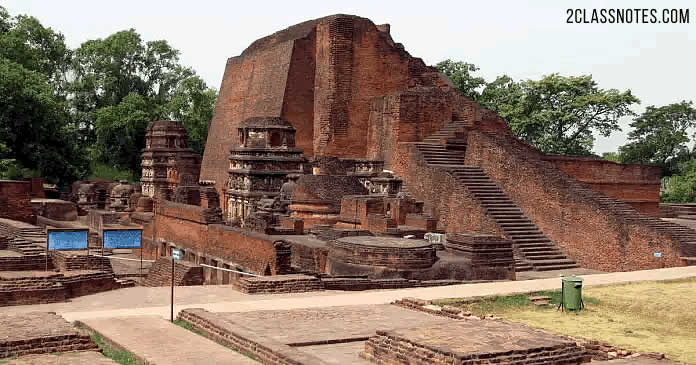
[(657, 254), (176, 254)]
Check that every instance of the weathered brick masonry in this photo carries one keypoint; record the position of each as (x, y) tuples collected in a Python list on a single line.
[(15, 199), (457, 210), (635, 184), (569, 212), (189, 227), (323, 76)]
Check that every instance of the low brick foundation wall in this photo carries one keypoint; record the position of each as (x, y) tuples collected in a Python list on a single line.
[(292, 283), (264, 350), (354, 284), (53, 287), (40, 333), (25, 263), (68, 262), (595, 350), (391, 347)]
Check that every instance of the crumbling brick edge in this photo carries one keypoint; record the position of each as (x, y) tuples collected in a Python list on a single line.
[(598, 350)]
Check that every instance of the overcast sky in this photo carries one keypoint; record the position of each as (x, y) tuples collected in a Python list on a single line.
[(523, 39)]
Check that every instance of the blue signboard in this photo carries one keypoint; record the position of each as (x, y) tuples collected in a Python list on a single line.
[(122, 238), (67, 240)]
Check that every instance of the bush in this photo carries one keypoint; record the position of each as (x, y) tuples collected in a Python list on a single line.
[(104, 171), (682, 188)]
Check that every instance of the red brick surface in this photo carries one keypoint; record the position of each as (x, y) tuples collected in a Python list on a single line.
[(187, 227), (638, 185), (15, 199), (593, 236), (456, 209)]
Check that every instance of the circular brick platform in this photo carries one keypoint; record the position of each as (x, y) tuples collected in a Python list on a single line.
[(394, 253)]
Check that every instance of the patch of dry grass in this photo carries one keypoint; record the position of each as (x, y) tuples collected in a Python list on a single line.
[(647, 316)]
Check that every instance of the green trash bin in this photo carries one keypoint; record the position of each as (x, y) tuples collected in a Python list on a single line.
[(571, 294)]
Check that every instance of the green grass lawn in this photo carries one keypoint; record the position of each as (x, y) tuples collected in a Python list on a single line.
[(647, 316)]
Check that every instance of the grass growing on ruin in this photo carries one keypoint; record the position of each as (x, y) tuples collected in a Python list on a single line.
[(647, 316), (122, 357), (189, 327)]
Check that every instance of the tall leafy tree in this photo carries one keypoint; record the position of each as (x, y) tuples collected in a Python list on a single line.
[(120, 131), (193, 103), (121, 78), (661, 135), (461, 75), (560, 114), (504, 95), (35, 129)]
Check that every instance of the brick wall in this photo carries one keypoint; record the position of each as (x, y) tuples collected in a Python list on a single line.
[(15, 199), (187, 227), (638, 185), (69, 262), (54, 288), (566, 210), (322, 76), (25, 263), (407, 116), (253, 85), (298, 104), (292, 283), (448, 208)]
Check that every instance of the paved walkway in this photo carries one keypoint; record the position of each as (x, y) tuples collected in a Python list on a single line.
[(155, 301), (159, 341)]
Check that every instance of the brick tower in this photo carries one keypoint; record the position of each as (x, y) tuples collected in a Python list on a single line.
[(167, 161)]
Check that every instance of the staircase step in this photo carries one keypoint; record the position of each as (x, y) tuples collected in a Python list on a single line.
[(556, 267), (545, 256), (531, 240)]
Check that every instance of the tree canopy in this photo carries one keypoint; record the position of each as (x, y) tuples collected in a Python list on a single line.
[(660, 135), (460, 73), (63, 110)]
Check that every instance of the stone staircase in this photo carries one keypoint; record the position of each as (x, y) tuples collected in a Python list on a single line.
[(25, 247), (185, 273), (533, 250), (684, 235), (448, 135)]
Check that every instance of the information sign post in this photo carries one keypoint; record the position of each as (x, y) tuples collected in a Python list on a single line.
[(176, 255)]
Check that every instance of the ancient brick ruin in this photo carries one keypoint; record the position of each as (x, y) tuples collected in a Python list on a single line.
[(337, 160), (167, 160)]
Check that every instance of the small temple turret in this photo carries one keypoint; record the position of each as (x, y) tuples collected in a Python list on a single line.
[(167, 161), (260, 164)]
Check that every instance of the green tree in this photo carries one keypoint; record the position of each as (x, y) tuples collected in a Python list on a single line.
[(682, 187), (559, 114), (123, 82), (612, 156), (121, 132), (193, 103), (25, 41), (504, 95), (460, 73), (660, 136), (36, 136)]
